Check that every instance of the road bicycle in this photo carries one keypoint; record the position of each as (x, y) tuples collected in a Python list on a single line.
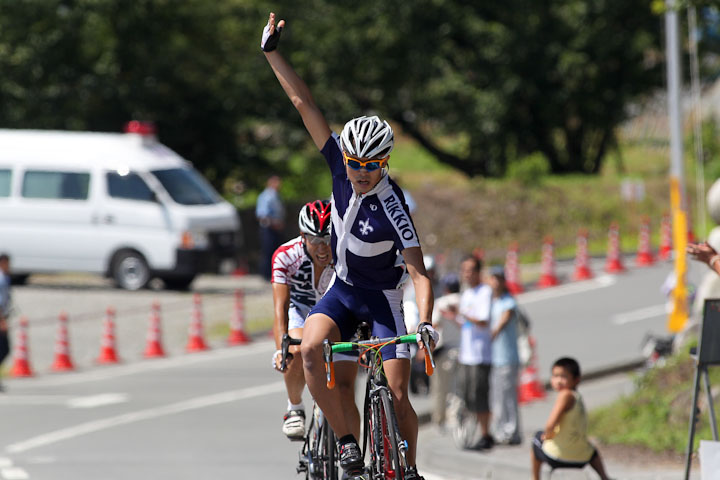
[(388, 450), (318, 458)]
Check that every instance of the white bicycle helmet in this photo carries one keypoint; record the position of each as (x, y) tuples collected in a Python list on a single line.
[(367, 137)]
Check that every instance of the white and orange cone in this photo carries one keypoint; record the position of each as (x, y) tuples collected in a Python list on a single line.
[(108, 354), (665, 250), (238, 336), (547, 267), (512, 270), (196, 340), (582, 259), (63, 362), (613, 262), (645, 255), (153, 345), (21, 362)]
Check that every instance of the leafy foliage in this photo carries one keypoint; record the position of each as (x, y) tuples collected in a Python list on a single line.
[(477, 84), (657, 414)]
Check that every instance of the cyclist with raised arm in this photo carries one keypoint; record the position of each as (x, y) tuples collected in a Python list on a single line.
[(375, 250), (301, 272)]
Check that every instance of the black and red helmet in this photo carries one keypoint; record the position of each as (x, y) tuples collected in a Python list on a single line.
[(314, 218)]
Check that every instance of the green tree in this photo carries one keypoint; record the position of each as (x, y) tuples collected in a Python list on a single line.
[(190, 66), (482, 83)]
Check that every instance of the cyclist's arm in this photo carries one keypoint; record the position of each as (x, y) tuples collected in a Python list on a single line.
[(423, 287), (281, 304), (300, 96)]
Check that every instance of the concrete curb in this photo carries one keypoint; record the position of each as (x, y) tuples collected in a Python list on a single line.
[(425, 416)]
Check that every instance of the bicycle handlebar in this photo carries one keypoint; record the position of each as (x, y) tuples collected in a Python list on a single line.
[(287, 340), (340, 347)]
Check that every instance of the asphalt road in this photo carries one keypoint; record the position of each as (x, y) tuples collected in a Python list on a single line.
[(217, 414)]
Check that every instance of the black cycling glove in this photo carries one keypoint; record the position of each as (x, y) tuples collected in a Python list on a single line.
[(270, 42)]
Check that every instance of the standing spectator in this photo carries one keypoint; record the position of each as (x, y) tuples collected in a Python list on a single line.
[(475, 355), (4, 308), (270, 213), (443, 318), (505, 362)]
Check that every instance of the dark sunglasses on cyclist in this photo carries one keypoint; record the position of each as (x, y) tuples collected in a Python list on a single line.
[(369, 165), (316, 240)]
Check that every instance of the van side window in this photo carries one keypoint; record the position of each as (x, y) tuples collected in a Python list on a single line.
[(130, 187), (5, 182), (56, 185)]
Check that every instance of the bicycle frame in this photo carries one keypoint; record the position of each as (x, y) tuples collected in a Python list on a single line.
[(388, 450)]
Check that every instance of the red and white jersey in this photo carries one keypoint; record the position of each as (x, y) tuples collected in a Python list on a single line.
[(292, 265)]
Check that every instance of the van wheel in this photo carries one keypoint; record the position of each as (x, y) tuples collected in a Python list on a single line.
[(178, 283), (130, 271), (19, 279)]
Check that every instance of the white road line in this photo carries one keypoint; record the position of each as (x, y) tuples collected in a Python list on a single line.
[(13, 473), (100, 400), (639, 314), (569, 289), (11, 399), (148, 414), (145, 366)]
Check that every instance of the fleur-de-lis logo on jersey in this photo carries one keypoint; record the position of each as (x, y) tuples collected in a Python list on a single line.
[(365, 226)]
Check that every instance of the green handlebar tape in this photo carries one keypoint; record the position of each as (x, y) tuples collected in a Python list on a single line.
[(341, 347)]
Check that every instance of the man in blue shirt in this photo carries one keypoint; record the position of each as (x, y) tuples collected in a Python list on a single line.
[(271, 215)]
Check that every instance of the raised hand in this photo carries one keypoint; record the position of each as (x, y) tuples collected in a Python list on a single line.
[(271, 34)]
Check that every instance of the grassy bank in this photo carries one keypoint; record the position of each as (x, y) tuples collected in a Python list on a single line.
[(457, 214), (657, 414), (460, 213)]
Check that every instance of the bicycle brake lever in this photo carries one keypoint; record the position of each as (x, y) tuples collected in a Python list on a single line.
[(425, 337), (285, 348)]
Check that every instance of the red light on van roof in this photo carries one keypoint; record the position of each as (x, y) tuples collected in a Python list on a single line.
[(140, 128)]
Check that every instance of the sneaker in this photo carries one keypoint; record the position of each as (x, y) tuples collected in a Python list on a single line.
[(294, 424), (351, 459), (486, 443), (411, 473)]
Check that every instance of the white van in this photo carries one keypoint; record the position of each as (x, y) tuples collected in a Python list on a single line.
[(122, 205)]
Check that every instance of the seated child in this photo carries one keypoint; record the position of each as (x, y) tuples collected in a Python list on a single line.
[(564, 442)]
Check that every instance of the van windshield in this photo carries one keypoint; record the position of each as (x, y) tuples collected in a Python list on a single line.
[(186, 186)]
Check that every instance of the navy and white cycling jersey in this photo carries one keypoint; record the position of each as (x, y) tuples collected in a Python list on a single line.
[(291, 265), (370, 230)]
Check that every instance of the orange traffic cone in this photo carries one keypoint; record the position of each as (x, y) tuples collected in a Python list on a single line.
[(547, 268), (665, 250), (613, 262), (582, 259), (62, 361), (153, 346), (237, 322), (645, 256), (196, 342), (512, 270), (530, 388), (107, 344), (21, 363)]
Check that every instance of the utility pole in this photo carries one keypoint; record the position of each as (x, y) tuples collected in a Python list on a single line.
[(679, 315)]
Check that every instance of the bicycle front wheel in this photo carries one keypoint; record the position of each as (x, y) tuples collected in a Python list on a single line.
[(385, 439), (328, 452)]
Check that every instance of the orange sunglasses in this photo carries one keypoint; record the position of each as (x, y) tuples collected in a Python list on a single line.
[(369, 165)]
